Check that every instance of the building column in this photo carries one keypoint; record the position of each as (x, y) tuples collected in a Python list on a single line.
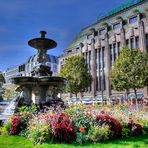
[(112, 50), (81, 46), (134, 38), (117, 50), (122, 38), (142, 45), (107, 65), (93, 67), (129, 41), (102, 75), (142, 38), (99, 52)]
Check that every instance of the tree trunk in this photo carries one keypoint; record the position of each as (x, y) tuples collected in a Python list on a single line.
[(81, 93), (76, 98), (126, 95), (135, 91)]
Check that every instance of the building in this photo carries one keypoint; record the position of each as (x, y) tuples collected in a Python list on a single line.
[(100, 43), (26, 68)]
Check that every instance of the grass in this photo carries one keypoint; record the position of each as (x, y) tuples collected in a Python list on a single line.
[(131, 142)]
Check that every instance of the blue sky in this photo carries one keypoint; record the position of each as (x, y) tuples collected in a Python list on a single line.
[(21, 20)]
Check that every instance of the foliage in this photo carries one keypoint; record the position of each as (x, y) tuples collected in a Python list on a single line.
[(136, 129), (15, 125), (81, 136), (83, 119), (99, 134), (5, 129), (76, 72), (28, 109), (78, 124), (62, 128), (39, 130), (39, 133), (10, 92), (2, 79), (130, 71), (19, 123), (113, 124), (125, 131)]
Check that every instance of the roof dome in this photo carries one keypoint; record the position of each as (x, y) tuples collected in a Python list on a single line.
[(49, 58)]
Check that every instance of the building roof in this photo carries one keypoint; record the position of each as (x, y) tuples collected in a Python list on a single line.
[(124, 7), (50, 58)]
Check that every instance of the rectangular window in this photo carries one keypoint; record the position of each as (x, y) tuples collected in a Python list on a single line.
[(127, 43), (89, 62), (111, 56), (101, 81), (102, 31), (100, 59), (147, 42), (137, 42), (132, 43), (116, 26), (118, 44), (104, 56), (104, 81), (133, 20), (99, 66), (114, 51), (97, 63), (96, 83)]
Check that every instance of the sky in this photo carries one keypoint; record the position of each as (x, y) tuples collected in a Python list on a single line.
[(22, 20)]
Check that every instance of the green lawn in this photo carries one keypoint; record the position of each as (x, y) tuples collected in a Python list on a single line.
[(19, 142)]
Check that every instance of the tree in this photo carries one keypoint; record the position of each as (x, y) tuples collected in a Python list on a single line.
[(10, 92), (2, 80), (130, 71), (76, 72)]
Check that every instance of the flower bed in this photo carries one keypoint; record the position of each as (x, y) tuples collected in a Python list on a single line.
[(77, 124)]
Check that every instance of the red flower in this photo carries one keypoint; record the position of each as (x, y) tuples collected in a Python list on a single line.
[(88, 115), (82, 129), (89, 107), (71, 106)]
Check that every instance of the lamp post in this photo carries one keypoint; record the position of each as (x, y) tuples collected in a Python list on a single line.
[(102, 96)]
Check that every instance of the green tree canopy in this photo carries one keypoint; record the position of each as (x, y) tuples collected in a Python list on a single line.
[(76, 72), (10, 92), (2, 79), (130, 70)]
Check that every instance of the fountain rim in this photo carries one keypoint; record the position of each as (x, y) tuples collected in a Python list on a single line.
[(38, 80)]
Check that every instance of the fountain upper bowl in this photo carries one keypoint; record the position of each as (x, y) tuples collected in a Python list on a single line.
[(42, 43)]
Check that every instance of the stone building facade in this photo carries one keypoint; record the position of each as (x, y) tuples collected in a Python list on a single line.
[(100, 43)]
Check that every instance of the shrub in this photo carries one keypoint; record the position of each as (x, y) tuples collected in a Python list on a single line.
[(113, 124), (83, 119), (136, 129), (62, 128), (28, 109), (81, 135), (99, 133), (39, 133), (15, 125), (125, 132), (39, 130), (5, 129)]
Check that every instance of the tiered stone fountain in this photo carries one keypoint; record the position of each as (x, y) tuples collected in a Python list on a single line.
[(41, 87)]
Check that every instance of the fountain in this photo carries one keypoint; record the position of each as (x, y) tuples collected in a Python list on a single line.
[(41, 87)]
